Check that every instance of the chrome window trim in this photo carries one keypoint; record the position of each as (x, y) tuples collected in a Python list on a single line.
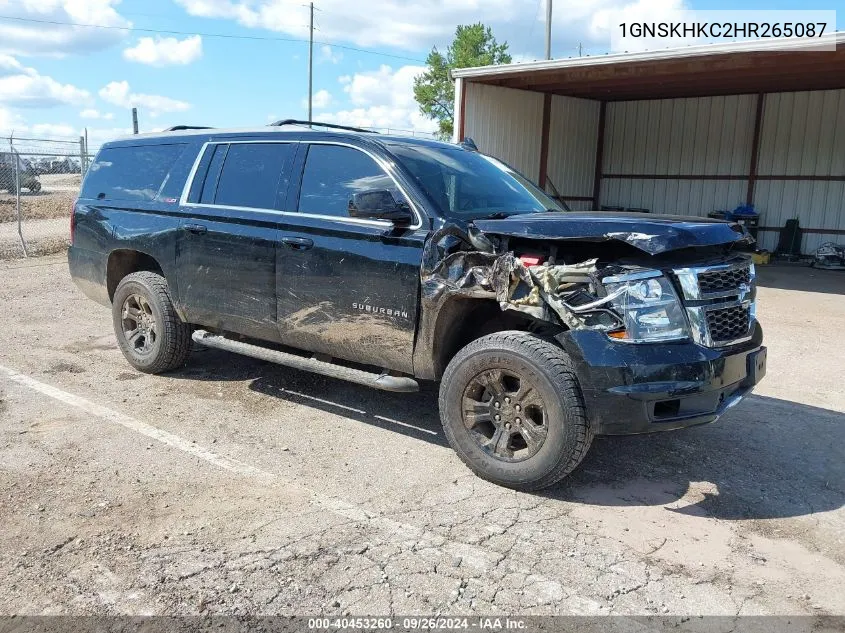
[(183, 200)]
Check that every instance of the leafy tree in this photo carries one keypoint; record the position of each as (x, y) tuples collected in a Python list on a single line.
[(474, 45)]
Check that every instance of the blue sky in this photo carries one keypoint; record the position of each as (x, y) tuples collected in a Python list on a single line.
[(56, 79)]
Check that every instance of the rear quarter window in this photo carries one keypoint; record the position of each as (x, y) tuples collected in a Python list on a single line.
[(130, 173)]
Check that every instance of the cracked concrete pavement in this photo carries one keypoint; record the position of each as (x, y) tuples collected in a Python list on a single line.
[(329, 498)]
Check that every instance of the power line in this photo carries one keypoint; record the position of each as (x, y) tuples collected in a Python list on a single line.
[(218, 35)]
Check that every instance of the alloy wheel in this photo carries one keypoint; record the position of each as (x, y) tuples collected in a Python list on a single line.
[(505, 415)]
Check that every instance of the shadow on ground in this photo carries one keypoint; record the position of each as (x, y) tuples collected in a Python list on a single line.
[(801, 277), (767, 458)]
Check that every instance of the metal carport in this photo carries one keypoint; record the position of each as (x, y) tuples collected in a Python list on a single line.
[(690, 130)]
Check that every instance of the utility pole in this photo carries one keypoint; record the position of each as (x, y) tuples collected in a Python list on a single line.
[(580, 49), (134, 120), (548, 29), (311, 63)]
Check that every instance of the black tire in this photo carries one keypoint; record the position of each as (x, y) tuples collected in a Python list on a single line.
[(544, 374), (35, 187), (163, 341)]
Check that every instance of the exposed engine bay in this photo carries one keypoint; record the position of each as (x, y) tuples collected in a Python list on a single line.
[(612, 281)]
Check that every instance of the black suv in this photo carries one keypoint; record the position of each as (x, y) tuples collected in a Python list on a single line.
[(385, 260)]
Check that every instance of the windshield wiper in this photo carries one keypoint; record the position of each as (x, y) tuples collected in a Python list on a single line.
[(499, 215)]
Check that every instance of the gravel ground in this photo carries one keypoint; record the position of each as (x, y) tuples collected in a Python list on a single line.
[(42, 237), (44, 217), (238, 487)]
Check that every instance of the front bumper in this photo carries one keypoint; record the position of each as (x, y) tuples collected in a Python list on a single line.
[(643, 388)]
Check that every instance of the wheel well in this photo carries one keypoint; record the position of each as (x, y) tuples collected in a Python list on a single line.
[(126, 262), (464, 320)]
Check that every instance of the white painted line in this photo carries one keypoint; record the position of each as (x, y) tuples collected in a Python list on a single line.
[(472, 555), (358, 411), (134, 425), (405, 424)]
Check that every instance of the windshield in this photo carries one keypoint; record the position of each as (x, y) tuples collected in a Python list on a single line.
[(470, 185)]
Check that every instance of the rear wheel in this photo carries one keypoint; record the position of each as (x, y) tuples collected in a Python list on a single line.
[(35, 187), (150, 334), (512, 409)]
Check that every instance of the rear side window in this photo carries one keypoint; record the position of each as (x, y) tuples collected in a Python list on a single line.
[(130, 173), (253, 175), (333, 174)]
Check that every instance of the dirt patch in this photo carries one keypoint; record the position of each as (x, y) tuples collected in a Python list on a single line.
[(35, 248), (40, 206), (65, 368)]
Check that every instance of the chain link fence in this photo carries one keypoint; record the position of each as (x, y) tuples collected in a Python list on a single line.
[(39, 180)]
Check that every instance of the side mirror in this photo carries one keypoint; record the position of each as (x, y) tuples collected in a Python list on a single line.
[(379, 204)]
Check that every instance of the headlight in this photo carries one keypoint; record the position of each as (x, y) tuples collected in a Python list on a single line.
[(649, 308)]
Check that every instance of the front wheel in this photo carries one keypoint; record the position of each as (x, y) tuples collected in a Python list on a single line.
[(150, 334), (512, 409)]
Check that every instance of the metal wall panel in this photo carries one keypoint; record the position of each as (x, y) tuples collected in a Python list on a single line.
[(573, 135), (682, 197), (700, 136), (816, 204), (803, 133), (507, 124), (579, 205)]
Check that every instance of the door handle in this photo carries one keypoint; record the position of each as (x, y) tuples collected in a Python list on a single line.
[(199, 229), (298, 243)]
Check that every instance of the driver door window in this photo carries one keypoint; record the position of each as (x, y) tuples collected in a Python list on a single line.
[(333, 174)]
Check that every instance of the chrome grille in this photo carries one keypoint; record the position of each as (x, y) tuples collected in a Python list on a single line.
[(719, 301), (726, 325), (720, 281)]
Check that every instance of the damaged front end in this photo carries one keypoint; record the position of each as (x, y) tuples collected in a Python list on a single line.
[(592, 293), (619, 292)]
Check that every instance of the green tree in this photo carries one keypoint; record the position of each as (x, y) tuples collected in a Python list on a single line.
[(474, 45)]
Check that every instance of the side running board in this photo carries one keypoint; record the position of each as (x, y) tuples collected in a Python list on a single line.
[(379, 381)]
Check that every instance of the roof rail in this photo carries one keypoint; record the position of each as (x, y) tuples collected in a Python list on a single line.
[(333, 126), (178, 128)]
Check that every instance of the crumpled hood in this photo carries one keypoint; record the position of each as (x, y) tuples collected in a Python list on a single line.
[(650, 233)]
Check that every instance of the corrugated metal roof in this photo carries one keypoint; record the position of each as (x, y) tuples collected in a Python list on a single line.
[(702, 50), (713, 69)]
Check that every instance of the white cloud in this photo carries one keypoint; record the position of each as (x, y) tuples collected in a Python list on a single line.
[(53, 130), (47, 37), (10, 121), (98, 136), (415, 25), (25, 87), (165, 51), (90, 113), (118, 93), (322, 99), (382, 98), (327, 54)]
